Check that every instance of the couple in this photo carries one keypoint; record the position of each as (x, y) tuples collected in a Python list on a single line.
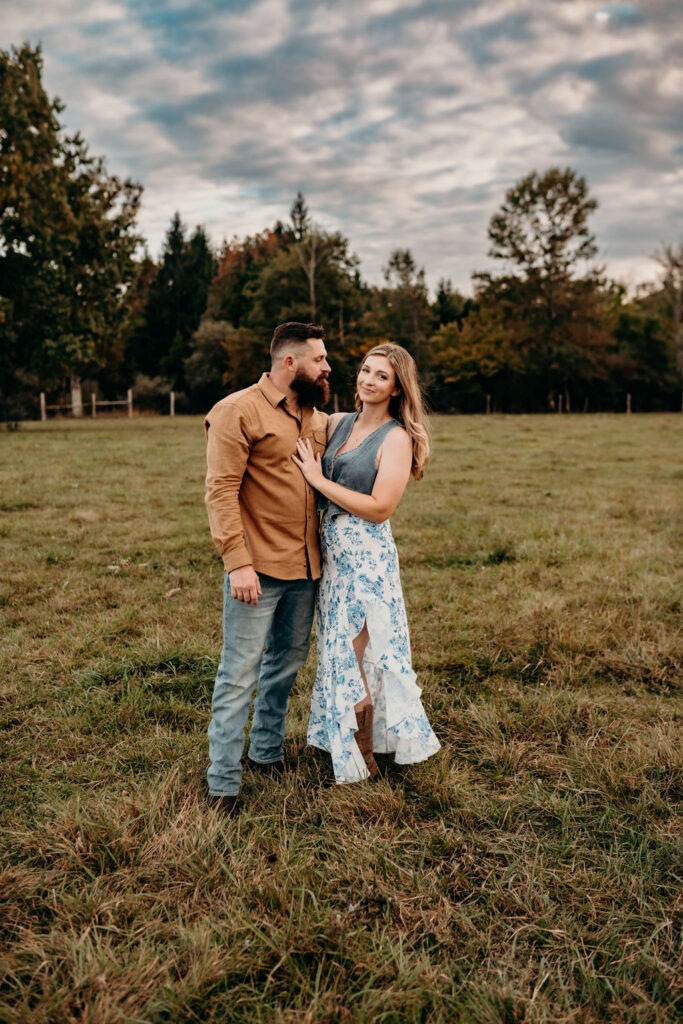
[(268, 451)]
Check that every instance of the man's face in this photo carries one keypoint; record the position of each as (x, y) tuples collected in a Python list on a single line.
[(312, 371)]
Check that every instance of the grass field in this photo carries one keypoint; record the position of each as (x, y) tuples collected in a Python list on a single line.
[(530, 872)]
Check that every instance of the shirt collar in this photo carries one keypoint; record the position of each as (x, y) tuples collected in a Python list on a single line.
[(274, 396)]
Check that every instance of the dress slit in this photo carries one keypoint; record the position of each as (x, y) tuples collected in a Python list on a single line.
[(361, 661), (360, 585)]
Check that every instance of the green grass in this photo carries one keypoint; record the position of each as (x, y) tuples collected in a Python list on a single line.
[(530, 872)]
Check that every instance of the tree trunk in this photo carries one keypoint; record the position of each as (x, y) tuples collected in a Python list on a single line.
[(311, 287), (309, 265), (76, 397)]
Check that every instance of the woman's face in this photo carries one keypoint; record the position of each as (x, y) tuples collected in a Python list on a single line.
[(377, 380)]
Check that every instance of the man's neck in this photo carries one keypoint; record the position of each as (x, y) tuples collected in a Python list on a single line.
[(280, 379)]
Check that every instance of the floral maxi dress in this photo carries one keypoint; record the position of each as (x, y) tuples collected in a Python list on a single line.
[(360, 584)]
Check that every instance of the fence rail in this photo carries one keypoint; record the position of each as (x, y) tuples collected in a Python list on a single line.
[(94, 402)]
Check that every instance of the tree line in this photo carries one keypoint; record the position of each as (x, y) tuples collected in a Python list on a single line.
[(83, 305)]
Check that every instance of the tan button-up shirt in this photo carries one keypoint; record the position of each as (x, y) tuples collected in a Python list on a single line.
[(261, 510)]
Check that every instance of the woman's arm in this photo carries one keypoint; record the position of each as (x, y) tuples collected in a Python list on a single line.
[(396, 457)]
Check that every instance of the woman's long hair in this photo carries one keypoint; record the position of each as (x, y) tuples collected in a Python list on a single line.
[(408, 407)]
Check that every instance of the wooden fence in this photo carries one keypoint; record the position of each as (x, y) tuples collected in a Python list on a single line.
[(95, 402)]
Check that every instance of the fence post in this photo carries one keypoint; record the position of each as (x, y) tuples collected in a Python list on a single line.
[(93, 405), (559, 402), (488, 405), (628, 402), (130, 403), (173, 403), (43, 410)]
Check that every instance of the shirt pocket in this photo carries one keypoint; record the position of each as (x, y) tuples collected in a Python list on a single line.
[(319, 441)]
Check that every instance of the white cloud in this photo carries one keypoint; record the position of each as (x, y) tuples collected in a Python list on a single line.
[(257, 30), (403, 122)]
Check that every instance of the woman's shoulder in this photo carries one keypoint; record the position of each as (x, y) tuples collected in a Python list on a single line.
[(334, 420), (398, 435), (396, 442)]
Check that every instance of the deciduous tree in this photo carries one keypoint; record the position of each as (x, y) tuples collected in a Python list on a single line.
[(67, 235), (555, 311), (223, 359)]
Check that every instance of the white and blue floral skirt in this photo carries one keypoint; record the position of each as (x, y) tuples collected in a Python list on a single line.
[(360, 583)]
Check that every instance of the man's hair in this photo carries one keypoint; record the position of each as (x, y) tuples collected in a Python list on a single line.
[(293, 336)]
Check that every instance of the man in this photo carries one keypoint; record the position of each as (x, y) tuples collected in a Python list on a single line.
[(263, 520)]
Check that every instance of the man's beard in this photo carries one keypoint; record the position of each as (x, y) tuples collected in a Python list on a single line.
[(310, 392)]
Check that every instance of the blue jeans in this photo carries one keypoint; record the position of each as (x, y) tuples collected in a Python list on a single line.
[(280, 623)]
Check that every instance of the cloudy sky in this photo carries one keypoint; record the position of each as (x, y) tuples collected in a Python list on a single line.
[(402, 121)]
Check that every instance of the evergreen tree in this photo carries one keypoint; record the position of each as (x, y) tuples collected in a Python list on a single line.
[(177, 300), (449, 306), (400, 312), (133, 319), (301, 220)]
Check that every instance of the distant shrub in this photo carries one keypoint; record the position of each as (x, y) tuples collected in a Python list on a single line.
[(151, 393), (19, 396)]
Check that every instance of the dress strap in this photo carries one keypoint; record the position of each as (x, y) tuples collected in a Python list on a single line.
[(341, 432)]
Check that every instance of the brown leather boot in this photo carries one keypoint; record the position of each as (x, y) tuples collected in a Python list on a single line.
[(363, 738), (225, 805)]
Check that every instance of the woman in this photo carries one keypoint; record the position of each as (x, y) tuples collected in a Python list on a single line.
[(365, 697)]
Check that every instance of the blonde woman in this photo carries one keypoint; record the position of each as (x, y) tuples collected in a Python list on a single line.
[(365, 697)]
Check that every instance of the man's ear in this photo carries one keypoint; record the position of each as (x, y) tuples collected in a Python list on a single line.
[(289, 362)]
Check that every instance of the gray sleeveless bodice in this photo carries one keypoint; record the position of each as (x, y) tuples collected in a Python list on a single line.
[(354, 469)]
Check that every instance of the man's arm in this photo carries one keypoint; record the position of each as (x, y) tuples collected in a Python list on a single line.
[(227, 453)]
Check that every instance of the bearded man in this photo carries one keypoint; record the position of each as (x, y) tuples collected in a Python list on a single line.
[(263, 520)]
